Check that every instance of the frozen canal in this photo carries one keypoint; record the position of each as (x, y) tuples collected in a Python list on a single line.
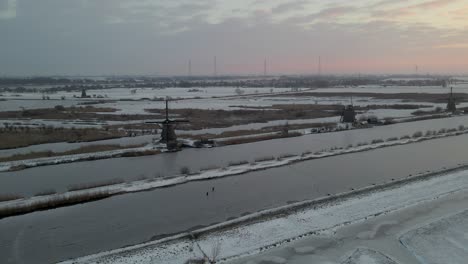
[(63, 233), (59, 177)]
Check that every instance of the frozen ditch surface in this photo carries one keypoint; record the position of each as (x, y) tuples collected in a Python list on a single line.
[(443, 241), (260, 232)]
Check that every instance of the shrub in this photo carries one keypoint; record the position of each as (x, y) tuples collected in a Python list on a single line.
[(238, 163), (10, 197), (78, 187), (362, 118), (461, 127), (207, 168), (59, 107), (417, 134), (442, 131), (185, 170), (377, 141), (389, 120), (264, 159), (405, 137), (392, 139), (285, 156), (428, 133)]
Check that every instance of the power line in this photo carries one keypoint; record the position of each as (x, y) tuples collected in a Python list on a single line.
[(215, 67), (190, 68), (320, 66)]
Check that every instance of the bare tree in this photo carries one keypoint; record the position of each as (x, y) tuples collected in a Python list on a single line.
[(206, 259)]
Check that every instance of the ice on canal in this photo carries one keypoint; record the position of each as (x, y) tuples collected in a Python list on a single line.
[(443, 241)]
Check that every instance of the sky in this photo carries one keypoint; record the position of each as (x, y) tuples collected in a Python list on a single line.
[(114, 37)]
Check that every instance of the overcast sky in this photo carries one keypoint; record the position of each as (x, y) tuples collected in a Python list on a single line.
[(95, 37)]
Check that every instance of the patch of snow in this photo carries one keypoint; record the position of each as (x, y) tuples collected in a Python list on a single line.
[(368, 235)]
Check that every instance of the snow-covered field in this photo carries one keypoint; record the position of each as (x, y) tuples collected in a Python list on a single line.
[(71, 123), (254, 238), (227, 97), (457, 88), (150, 93)]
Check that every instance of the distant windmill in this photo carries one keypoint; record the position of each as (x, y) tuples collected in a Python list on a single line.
[(168, 135), (349, 114), (451, 104)]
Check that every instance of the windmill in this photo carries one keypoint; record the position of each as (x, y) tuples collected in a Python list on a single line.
[(168, 135), (451, 105), (349, 114)]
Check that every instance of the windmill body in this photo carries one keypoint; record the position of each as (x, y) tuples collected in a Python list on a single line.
[(451, 104), (168, 135), (349, 114)]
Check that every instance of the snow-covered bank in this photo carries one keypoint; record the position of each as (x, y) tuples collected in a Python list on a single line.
[(272, 228), (241, 167), (24, 164)]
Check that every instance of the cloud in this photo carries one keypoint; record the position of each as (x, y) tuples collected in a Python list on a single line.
[(159, 36), (386, 3), (335, 12), (433, 4), (288, 6), (452, 46), (328, 14)]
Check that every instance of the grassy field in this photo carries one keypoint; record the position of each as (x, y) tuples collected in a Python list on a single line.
[(81, 150), (15, 137), (407, 97), (70, 113), (201, 118), (245, 140)]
